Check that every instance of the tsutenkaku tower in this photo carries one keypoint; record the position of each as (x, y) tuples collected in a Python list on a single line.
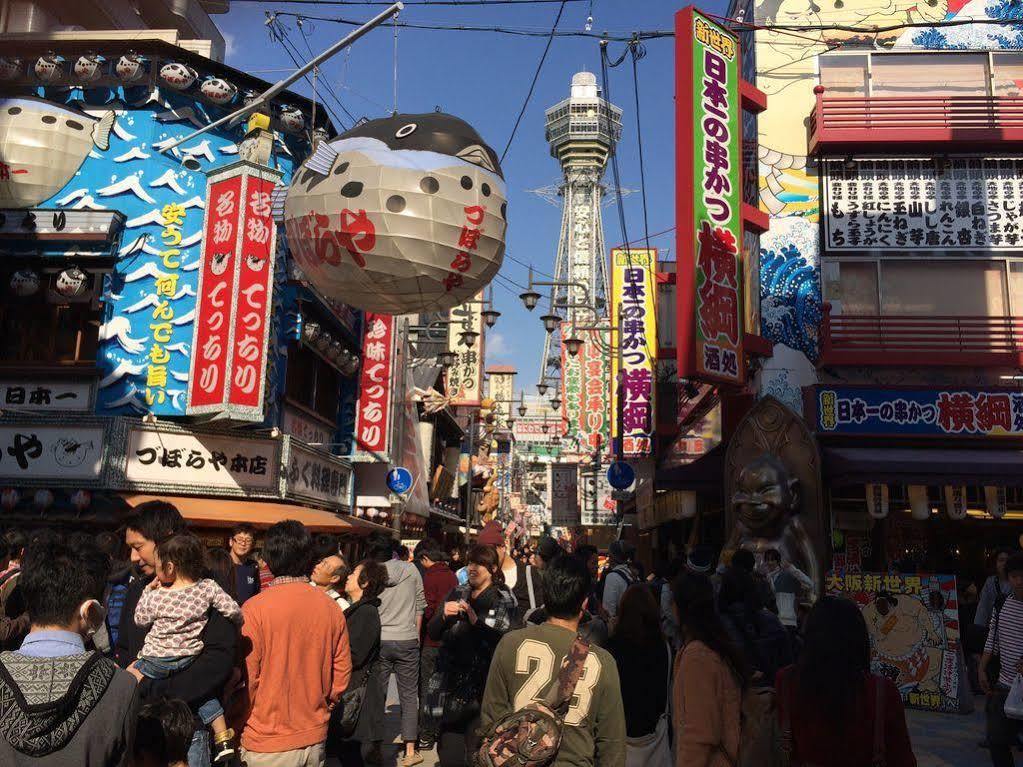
[(582, 131)]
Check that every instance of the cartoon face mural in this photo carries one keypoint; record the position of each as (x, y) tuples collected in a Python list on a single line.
[(108, 159), (42, 145)]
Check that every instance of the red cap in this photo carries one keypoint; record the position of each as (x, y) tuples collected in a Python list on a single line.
[(492, 534)]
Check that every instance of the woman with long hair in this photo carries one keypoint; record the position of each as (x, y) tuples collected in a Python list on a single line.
[(363, 588), (644, 667), (831, 706), (473, 618), (220, 567), (710, 676)]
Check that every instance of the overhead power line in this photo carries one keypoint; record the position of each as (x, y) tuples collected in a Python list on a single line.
[(465, 3)]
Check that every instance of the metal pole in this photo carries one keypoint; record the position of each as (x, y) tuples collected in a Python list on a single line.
[(468, 497), (299, 73)]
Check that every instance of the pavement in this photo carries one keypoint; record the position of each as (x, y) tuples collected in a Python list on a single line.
[(939, 740)]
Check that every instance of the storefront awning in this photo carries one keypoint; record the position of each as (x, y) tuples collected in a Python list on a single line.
[(705, 475), (922, 466), (224, 512)]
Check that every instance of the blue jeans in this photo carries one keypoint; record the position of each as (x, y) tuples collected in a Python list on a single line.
[(199, 751), (161, 668)]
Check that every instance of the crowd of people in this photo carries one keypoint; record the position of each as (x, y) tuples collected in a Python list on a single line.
[(151, 649)]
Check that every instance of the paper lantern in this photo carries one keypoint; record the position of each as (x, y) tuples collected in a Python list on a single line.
[(955, 502), (130, 68), (9, 498), (25, 283), (995, 501), (400, 215), (49, 68), (10, 67), (71, 282), (919, 504), (43, 499), (217, 90), (44, 144), (877, 501), (81, 499), (177, 76), (89, 67)]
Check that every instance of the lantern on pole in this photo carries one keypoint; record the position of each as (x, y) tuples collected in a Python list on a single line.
[(400, 215)]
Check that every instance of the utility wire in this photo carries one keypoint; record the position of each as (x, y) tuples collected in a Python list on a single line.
[(536, 76), (638, 52), (407, 3)]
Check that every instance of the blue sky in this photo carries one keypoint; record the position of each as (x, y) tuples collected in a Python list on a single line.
[(483, 78)]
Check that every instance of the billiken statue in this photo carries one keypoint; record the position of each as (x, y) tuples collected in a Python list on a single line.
[(766, 503)]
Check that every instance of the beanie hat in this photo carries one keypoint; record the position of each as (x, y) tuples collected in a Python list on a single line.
[(492, 534)]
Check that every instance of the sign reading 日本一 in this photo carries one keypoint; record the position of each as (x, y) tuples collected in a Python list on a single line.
[(710, 311), (898, 205), (920, 412), (634, 310)]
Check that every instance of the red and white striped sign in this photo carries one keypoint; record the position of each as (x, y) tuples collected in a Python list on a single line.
[(229, 349), (373, 418)]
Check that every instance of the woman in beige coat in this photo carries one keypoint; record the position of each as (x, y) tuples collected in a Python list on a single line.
[(710, 675)]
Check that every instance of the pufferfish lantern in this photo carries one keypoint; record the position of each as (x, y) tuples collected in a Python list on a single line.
[(400, 215)]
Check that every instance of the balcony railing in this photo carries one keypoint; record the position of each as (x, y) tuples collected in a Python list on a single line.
[(921, 341), (848, 123)]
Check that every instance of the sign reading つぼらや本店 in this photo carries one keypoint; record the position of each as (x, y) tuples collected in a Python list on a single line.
[(709, 216), (952, 412)]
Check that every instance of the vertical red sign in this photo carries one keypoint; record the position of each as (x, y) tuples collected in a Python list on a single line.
[(255, 285), (372, 422), (207, 383)]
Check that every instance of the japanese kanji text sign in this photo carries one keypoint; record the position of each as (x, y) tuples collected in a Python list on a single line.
[(164, 458), (586, 388), (634, 313), (709, 218), (373, 416), (563, 486), (919, 412), (318, 477), (465, 377), (235, 295), (62, 453), (965, 203)]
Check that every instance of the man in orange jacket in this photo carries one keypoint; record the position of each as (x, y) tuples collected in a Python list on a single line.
[(296, 655)]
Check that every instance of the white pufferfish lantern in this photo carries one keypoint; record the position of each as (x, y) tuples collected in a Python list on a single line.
[(400, 215)]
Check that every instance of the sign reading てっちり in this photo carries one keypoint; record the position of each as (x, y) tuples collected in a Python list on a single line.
[(235, 290), (710, 308)]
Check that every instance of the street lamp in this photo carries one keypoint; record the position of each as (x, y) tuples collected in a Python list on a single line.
[(556, 440), (550, 322), (468, 338), (490, 317), (573, 345), (555, 403), (447, 359), (523, 410), (530, 298), (544, 427), (542, 388)]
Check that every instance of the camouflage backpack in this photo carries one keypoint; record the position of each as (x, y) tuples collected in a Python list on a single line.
[(531, 736)]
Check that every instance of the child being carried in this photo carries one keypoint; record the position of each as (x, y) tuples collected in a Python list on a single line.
[(176, 604)]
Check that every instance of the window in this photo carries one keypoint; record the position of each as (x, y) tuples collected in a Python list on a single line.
[(851, 287), (312, 383), (933, 74), (844, 75), (944, 288), (1007, 74), (34, 330)]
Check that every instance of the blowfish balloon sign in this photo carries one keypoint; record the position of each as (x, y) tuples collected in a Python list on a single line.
[(400, 215)]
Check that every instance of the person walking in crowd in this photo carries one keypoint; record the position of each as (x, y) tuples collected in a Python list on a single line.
[(121, 574), (590, 556), (618, 576), (788, 584), (401, 615), (243, 539), (220, 568), (163, 733), (832, 709), (710, 675), (594, 731), (363, 586), (297, 658), (438, 582), (470, 623), (12, 629), (996, 588), (17, 540), (522, 580), (60, 704), (1004, 642), (155, 522), (644, 660), (174, 607), (330, 571)]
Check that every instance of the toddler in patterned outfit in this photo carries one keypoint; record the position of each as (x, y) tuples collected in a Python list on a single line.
[(176, 606)]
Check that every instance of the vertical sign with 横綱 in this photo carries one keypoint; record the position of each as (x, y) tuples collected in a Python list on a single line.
[(235, 290), (373, 415), (709, 216), (634, 314), (465, 377)]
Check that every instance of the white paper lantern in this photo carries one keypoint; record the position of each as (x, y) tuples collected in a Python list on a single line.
[(178, 76), (130, 68), (919, 504), (71, 282), (43, 498), (877, 501), (995, 501), (9, 498), (217, 90), (81, 499), (955, 502), (49, 68), (25, 283), (89, 67), (10, 67), (401, 215)]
